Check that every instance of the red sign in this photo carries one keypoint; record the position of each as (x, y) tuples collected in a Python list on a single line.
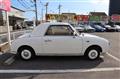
[(5, 5), (82, 17), (79, 17), (115, 18), (85, 18)]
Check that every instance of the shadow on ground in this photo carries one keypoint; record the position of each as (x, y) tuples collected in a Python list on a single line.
[(49, 63), (46, 62)]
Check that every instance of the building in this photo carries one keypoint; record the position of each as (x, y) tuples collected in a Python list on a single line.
[(16, 19), (68, 17), (97, 14), (98, 17), (114, 7)]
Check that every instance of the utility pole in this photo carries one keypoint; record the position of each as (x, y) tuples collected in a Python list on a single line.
[(59, 7), (36, 22), (46, 5), (42, 14)]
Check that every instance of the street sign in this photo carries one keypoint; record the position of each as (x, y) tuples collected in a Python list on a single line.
[(5, 5), (115, 18)]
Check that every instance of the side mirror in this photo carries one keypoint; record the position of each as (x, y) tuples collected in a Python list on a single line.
[(74, 33)]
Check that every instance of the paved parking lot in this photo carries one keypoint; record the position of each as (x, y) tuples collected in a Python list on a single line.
[(107, 67)]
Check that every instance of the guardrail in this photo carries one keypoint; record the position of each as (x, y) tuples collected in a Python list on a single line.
[(14, 35)]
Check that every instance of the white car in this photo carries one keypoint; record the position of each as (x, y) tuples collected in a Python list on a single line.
[(59, 39), (79, 29), (117, 27)]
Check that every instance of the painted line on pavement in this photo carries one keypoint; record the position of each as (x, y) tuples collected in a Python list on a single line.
[(59, 71), (115, 58)]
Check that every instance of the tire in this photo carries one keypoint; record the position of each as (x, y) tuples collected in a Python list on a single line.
[(92, 53), (26, 53)]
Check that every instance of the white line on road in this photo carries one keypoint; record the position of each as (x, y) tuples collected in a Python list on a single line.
[(115, 58), (59, 71)]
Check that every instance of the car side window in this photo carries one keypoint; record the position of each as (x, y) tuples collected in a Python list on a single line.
[(59, 30)]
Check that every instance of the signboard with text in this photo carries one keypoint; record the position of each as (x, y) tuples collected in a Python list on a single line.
[(61, 17), (52, 17), (94, 18), (5, 5), (82, 17), (115, 18)]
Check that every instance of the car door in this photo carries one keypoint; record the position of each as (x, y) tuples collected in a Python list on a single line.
[(59, 40)]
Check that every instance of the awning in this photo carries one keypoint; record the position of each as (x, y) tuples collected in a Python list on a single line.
[(16, 15)]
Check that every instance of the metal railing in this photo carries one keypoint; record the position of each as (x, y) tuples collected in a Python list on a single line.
[(14, 35)]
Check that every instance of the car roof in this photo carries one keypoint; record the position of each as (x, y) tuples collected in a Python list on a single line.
[(41, 29), (55, 23)]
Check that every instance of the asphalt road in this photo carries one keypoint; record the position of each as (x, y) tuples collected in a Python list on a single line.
[(69, 67)]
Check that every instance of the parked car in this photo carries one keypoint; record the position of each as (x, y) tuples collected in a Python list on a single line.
[(30, 28), (98, 28), (87, 28), (109, 28), (117, 27), (79, 29), (59, 39), (106, 26)]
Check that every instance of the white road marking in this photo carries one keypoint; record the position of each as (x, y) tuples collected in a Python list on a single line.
[(60, 71), (10, 60), (115, 58)]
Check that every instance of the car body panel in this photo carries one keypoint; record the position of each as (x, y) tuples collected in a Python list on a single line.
[(117, 27), (98, 28), (87, 28)]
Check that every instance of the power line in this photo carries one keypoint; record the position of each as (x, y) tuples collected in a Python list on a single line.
[(28, 3), (22, 4), (59, 7)]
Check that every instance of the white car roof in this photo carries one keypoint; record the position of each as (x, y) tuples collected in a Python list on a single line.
[(55, 23), (41, 29)]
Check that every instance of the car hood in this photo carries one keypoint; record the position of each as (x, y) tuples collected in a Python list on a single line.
[(93, 36), (110, 27), (88, 35)]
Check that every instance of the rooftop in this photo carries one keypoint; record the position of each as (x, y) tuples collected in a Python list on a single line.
[(98, 13)]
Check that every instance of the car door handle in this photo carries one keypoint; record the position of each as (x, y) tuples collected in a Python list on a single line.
[(48, 40)]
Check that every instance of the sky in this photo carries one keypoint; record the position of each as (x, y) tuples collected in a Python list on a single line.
[(73, 6)]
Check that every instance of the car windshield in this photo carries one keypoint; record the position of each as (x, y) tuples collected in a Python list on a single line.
[(97, 26), (81, 25), (88, 27)]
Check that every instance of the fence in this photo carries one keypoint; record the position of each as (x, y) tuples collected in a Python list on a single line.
[(14, 35)]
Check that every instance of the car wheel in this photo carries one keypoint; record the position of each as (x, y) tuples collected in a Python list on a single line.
[(93, 54), (26, 53)]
